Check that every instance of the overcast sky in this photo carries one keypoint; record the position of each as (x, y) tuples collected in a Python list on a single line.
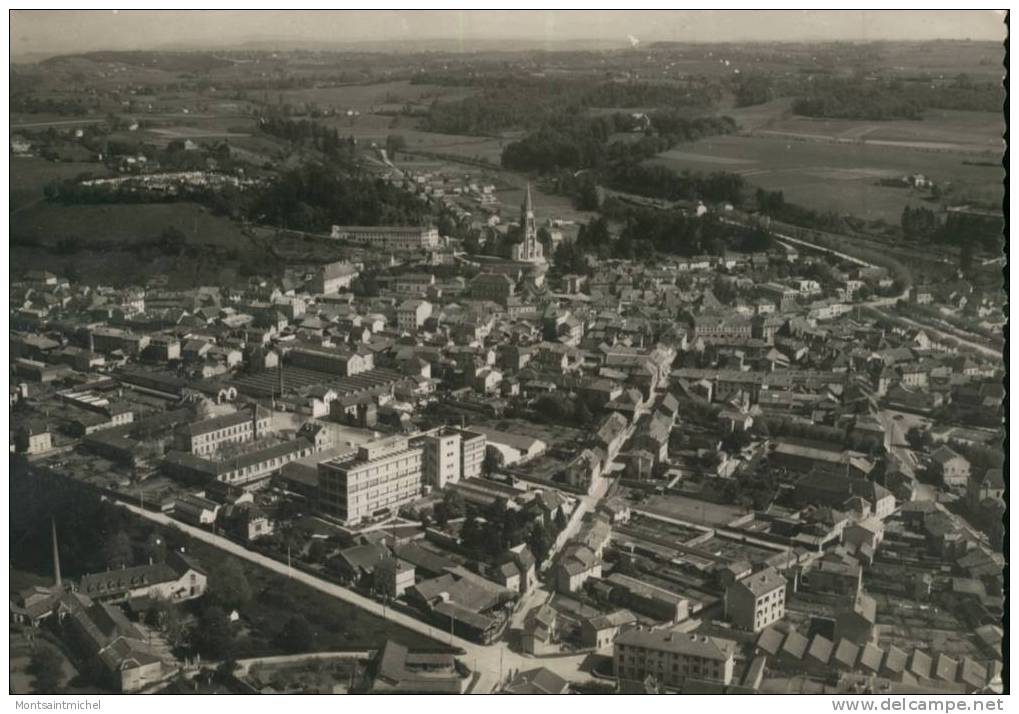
[(58, 32)]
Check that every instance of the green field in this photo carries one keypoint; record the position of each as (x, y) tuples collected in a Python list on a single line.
[(367, 98), (972, 132), (29, 175), (838, 177), (124, 223)]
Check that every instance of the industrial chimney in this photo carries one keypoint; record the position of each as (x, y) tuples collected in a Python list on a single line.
[(56, 554)]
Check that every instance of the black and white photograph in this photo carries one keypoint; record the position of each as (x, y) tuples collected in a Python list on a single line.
[(477, 351)]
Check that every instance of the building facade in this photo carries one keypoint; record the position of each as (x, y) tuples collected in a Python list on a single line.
[(390, 237), (756, 601), (673, 657), (441, 457), (472, 454), (384, 474), (206, 436)]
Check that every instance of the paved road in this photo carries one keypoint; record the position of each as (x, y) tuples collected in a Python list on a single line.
[(488, 660)]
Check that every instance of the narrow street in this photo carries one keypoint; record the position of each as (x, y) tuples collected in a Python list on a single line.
[(896, 426)]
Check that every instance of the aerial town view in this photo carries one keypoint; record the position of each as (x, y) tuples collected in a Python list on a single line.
[(519, 351)]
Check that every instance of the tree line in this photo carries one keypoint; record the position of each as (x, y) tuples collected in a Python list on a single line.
[(314, 197), (965, 230), (579, 142), (513, 101), (859, 98)]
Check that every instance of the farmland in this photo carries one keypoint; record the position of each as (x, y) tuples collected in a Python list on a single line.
[(829, 176), (958, 131), (381, 97), (30, 175)]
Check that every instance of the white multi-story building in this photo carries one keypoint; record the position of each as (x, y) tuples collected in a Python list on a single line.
[(384, 474), (472, 454), (441, 458), (390, 237), (206, 436), (673, 657), (756, 601), (411, 314)]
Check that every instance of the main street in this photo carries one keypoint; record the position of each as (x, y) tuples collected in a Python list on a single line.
[(492, 662)]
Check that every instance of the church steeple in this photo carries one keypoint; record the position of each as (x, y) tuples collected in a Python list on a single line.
[(529, 249)]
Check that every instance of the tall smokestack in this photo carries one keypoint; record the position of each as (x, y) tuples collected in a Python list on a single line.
[(56, 554)]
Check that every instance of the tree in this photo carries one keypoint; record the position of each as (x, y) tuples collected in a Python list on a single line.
[(228, 586), (296, 635), (395, 143), (317, 551), (540, 541), (118, 551), (560, 521), (582, 413), (46, 668), (471, 533), (454, 504), (166, 616), (588, 196), (214, 637)]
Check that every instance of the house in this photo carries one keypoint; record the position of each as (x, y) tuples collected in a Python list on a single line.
[(179, 578), (114, 647), (196, 510), (537, 681), (245, 522), (834, 574), (32, 438), (411, 314), (952, 468), (397, 670), (612, 433), (392, 577), (856, 623), (989, 485), (332, 277), (647, 599), (356, 564), (756, 601), (540, 631), (575, 565), (600, 631), (510, 448), (673, 657)]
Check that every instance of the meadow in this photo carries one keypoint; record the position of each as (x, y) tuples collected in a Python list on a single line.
[(367, 98), (825, 175), (121, 224), (969, 132), (29, 176)]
